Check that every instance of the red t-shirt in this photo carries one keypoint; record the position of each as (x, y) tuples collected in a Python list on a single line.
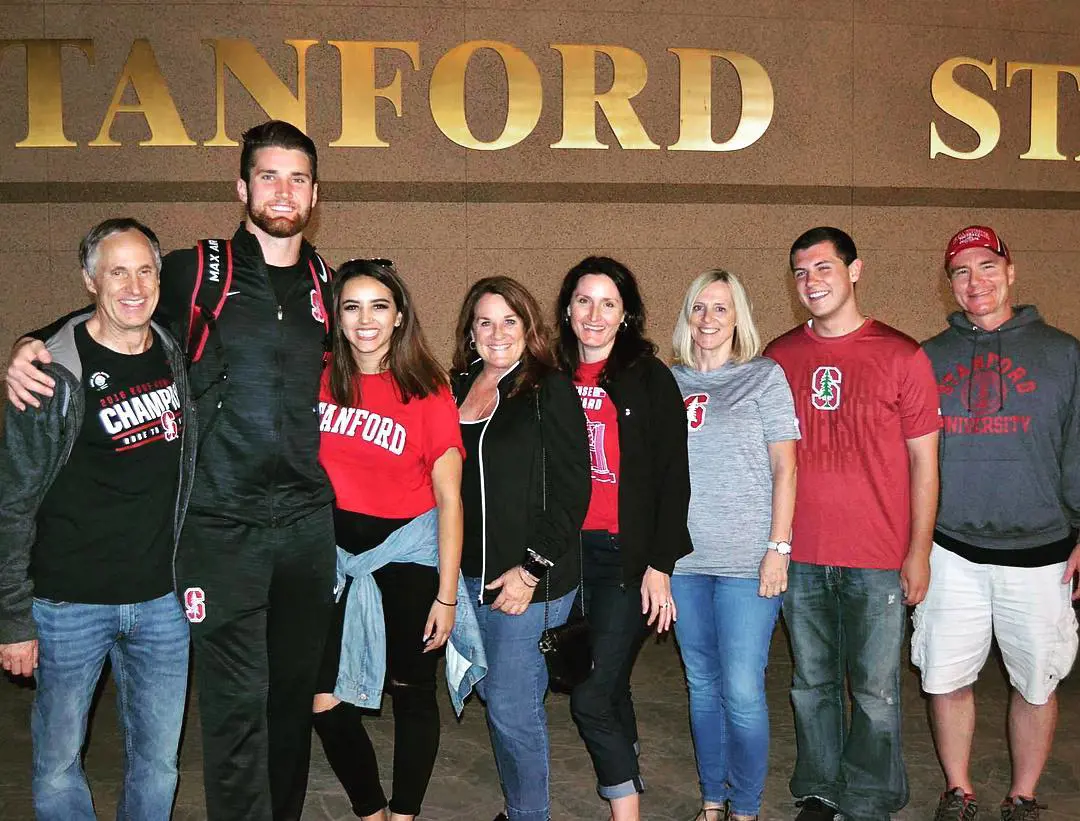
[(858, 398), (379, 457), (603, 422)]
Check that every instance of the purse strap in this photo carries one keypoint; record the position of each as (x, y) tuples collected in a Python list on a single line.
[(543, 493)]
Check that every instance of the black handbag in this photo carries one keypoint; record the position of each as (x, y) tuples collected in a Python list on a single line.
[(567, 649)]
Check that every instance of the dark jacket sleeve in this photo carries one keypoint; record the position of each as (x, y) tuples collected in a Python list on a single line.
[(569, 482), (178, 270), (30, 451), (671, 469)]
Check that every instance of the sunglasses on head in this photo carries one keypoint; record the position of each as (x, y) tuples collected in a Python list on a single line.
[(380, 261)]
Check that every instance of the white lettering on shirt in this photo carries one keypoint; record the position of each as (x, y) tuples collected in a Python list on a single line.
[(381, 431)]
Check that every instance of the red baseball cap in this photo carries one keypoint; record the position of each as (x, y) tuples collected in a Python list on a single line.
[(976, 236)]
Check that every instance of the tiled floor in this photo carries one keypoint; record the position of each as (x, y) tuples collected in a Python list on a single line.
[(465, 788)]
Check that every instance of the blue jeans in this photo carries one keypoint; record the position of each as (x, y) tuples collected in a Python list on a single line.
[(847, 620), (513, 692), (724, 631), (148, 646)]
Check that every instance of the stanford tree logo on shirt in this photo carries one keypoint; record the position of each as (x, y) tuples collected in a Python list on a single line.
[(825, 388)]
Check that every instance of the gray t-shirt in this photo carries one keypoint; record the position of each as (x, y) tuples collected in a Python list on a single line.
[(732, 414)]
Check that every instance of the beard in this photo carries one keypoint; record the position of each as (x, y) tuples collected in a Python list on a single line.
[(278, 226)]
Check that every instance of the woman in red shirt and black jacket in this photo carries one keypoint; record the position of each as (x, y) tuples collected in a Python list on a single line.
[(525, 489), (635, 528)]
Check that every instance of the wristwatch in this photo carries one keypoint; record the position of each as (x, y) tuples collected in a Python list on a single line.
[(783, 548)]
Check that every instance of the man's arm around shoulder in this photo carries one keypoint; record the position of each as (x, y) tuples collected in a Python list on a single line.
[(26, 380), (178, 270)]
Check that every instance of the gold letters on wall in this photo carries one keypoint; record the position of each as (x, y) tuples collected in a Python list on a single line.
[(44, 102), (581, 99), (961, 87), (447, 95), (969, 106)]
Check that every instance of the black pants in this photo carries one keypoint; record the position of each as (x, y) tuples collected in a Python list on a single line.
[(602, 707), (408, 591), (265, 596)]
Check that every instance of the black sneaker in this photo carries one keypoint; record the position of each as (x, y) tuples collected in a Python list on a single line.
[(814, 809), (1015, 808), (956, 805)]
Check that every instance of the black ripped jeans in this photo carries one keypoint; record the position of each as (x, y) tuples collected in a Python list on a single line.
[(407, 593)]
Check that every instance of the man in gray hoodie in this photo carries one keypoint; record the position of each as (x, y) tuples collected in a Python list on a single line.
[(1005, 552), (94, 485)]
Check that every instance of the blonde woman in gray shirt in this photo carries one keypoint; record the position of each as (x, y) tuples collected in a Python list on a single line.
[(742, 430)]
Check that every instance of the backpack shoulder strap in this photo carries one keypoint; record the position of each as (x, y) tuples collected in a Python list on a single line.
[(213, 278)]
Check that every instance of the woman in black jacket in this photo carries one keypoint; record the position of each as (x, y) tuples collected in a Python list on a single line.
[(635, 528), (525, 489)]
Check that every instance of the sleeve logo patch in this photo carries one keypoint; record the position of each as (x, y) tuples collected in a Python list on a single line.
[(195, 604)]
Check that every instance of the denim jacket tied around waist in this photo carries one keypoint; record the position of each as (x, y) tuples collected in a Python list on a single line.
[(362, 669)]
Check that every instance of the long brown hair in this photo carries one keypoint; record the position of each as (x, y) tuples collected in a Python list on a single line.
[(415, 370), (537, 361)]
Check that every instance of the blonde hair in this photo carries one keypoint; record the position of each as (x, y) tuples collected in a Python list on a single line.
[(746, 343)]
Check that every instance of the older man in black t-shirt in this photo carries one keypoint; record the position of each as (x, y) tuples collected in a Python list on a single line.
[(93, 487)]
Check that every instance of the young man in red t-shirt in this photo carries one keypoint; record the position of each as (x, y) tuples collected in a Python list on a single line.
[(866, 399)]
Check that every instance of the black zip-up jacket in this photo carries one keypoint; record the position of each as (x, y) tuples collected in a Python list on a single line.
[(654, 468), (257, 387), (516, 450), (37, 445)]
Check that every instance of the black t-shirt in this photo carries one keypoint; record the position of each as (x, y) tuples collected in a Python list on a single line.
[(284, 278), (1040, 556), (472, 548), (105, 528), (358, 533)]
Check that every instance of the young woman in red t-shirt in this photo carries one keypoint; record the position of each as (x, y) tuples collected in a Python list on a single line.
[(392, 448)]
